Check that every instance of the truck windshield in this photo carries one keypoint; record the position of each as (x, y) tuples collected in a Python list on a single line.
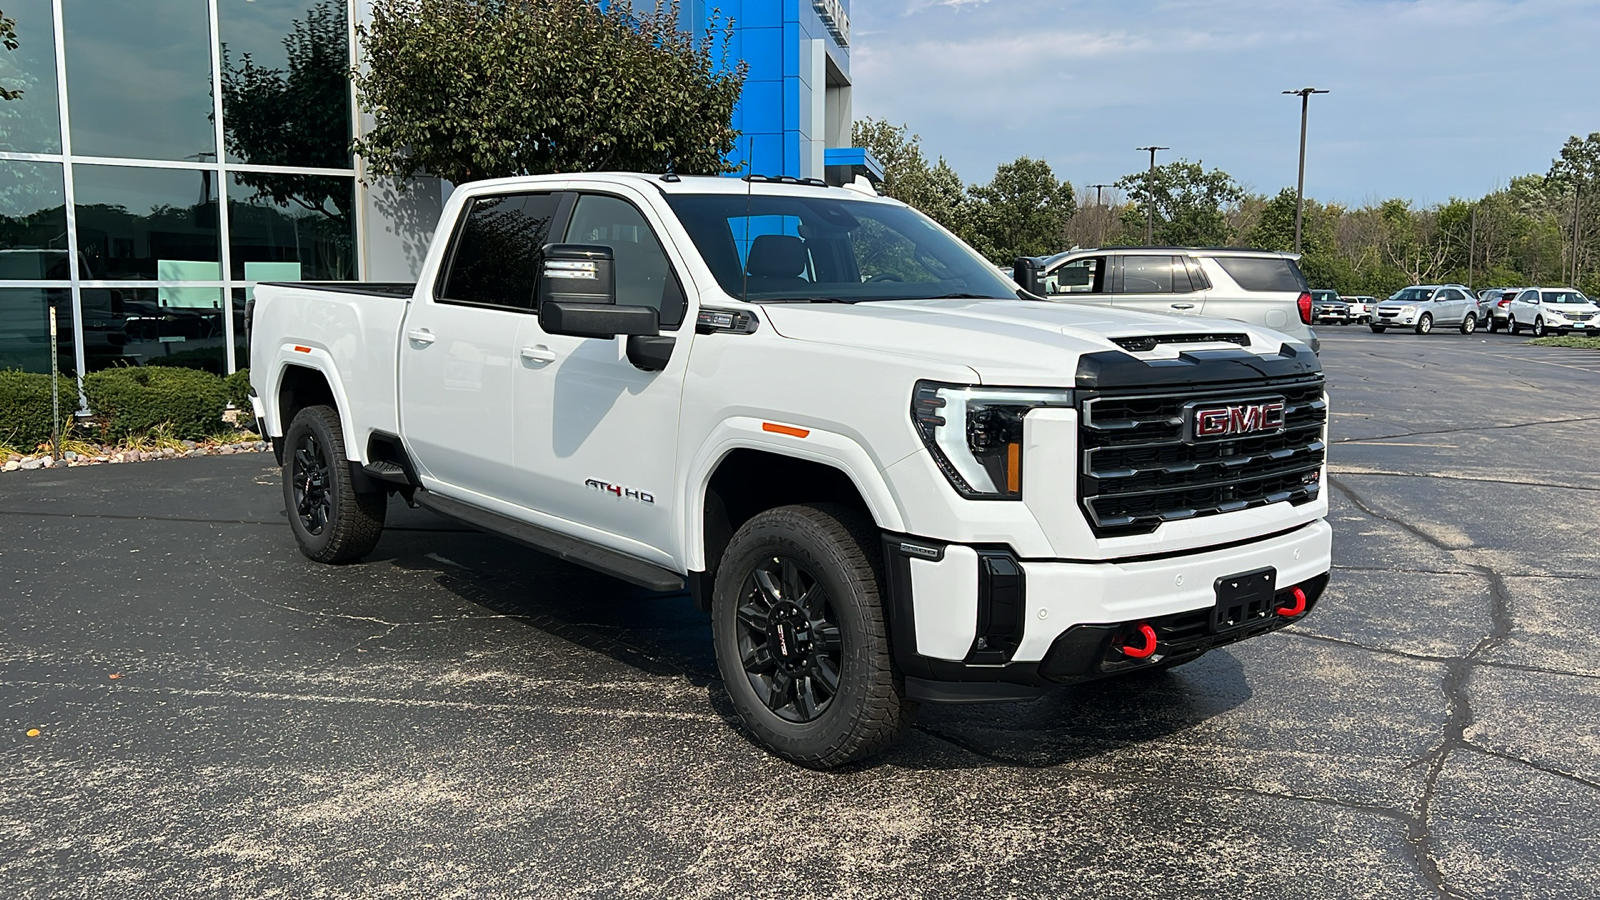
[(774, 248)]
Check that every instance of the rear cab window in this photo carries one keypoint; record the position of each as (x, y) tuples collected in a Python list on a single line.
[(1264, 273)]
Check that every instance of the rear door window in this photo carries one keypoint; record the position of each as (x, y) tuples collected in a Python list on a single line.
[(493, 258), (1149, 275), (1264, 273)]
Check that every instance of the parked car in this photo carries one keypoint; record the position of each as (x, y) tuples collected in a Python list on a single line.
[(1326, 306), (1361, 307), (1422, 306), (1560, 310), (1492, 303), (887, 476), (1261, 287)]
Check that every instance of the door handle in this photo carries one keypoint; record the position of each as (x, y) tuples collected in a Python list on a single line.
[(421, 335), (1183, 306), (540, 354)]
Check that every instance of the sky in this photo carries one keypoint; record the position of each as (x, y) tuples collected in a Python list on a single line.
[(1430, 99)]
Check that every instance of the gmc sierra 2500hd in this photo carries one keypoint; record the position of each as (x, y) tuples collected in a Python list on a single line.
[(887, 475)]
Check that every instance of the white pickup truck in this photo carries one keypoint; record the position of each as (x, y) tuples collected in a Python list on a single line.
[(887, 475)]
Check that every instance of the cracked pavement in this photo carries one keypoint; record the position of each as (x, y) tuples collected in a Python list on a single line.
[(459, 717)]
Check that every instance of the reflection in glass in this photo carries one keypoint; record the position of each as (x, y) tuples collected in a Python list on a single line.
[(291, 227), (140, 327), (33, 222), (146, 223), (31, 123), (139, 78), (241, 339), (285, 82), (25, 330)]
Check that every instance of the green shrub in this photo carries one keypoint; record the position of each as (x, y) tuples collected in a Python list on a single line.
[(238, 388), (25, 408), (131, 401)]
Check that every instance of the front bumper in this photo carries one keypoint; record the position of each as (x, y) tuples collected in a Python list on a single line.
[(976, 622)]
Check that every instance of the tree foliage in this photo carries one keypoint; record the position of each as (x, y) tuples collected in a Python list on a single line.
[(8, 40), (472, 89), (936, 190), (1190, 205), (1022, 211), (296, 118)]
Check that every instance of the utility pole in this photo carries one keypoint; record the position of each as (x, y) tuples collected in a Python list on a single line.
[(1100, 213), (1577, 191), (1300, 186), (1472, 246), (1150, 196)]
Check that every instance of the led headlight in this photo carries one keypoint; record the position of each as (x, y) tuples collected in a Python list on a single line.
[(975, 433)]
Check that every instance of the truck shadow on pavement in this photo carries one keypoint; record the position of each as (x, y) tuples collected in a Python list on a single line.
[(663, 635)]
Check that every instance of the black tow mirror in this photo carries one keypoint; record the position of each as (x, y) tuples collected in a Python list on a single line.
[(576, 273), (597, 320), (1025, 272)]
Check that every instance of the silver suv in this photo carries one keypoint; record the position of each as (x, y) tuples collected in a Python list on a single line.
[(1422, 306), (1261, 287)]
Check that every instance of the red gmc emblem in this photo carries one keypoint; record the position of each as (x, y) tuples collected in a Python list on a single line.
[(1249, 417)]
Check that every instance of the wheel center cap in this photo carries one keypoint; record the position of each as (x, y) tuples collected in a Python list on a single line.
[(790, 633)]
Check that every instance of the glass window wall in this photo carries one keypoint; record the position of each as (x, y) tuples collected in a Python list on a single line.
[(31, 123), (154, 327), (33, 222), (139, 78), (147, 223), (291, 227), (25, 329), (285, 88)]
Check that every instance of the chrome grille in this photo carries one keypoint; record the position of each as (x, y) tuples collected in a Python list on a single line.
[(1139, 469)]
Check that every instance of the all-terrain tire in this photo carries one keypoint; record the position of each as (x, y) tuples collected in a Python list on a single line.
[(778, 640), (332, 523)]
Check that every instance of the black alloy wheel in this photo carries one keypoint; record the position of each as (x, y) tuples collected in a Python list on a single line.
[(308, 477), (802, 637), (789, 639), (331, 521)]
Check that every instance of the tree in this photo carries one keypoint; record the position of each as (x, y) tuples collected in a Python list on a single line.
[(298, 118), (471, 89), (1577, 171), (8, 39), (1189, 202), (936, 191), (1022, 211)]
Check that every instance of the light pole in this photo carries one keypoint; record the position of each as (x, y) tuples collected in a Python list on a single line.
[(1300, 186), (1099, 212), (1150, 196)]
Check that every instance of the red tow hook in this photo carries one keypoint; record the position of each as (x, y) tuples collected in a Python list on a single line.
[(1149, 648), (1298, 607)]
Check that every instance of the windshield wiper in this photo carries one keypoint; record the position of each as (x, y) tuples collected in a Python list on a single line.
[(801, 300)]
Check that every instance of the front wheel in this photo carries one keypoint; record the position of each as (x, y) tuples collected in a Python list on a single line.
[(1538, 327), (1511, 323), (1377, 329), (332, 523), (1425, 324), (1469, 324), (801, 638)]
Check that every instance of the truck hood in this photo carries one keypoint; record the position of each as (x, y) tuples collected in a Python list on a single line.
[(1005, 341)]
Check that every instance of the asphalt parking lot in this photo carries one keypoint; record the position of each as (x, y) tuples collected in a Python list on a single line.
[(458, 717)]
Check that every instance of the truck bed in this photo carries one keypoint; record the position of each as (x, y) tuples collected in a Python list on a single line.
[(401, 290)]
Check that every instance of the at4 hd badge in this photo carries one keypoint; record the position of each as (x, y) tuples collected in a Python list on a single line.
[(620, 491)]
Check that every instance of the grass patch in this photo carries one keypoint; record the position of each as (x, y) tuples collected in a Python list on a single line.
[(1580, 343)]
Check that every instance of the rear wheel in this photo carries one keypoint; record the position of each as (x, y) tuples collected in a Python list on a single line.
[(801, 637), (1469, 324), (1425, 324), (1538, 327), (1490, 323), (332, 523)]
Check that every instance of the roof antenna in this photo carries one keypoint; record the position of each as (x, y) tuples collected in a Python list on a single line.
[(749, 185)]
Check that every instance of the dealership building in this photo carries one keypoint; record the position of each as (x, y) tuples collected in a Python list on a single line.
[(150, 176)]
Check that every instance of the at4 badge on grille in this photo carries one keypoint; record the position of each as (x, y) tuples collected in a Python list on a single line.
[(1206, 420)]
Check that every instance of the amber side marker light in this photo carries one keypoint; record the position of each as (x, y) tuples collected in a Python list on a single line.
[(790, 430)]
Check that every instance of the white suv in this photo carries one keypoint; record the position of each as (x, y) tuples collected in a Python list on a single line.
[(1561, 310), (1261, 287)]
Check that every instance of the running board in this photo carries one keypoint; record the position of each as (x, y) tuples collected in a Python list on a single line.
[(569, 549)]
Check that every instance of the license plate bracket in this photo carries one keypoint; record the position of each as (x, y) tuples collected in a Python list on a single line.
[(1243, 599)]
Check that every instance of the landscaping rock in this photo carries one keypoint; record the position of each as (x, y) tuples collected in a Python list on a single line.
[(11, 465), (32, 464), (47, 463)]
